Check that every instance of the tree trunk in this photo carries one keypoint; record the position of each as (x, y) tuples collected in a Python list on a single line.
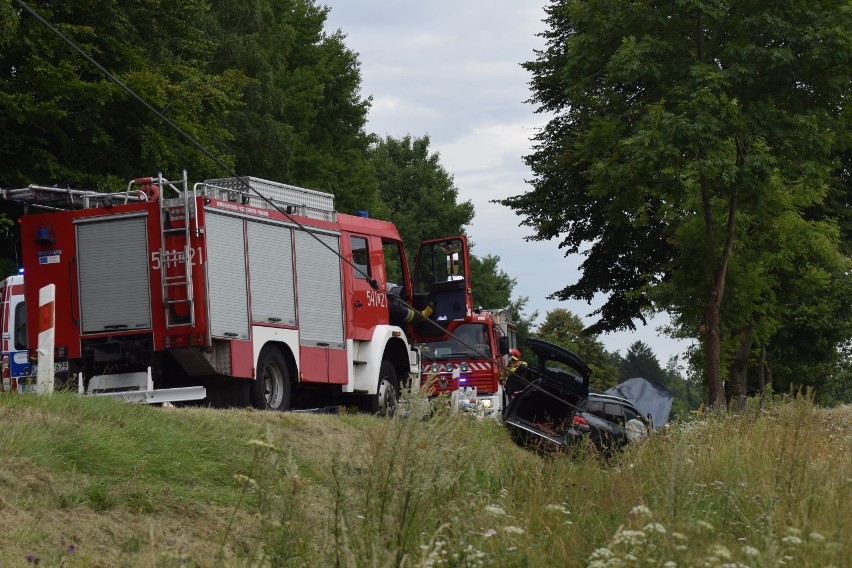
[(761, 374), (769, 373), (713, 353), (713, 344), (738, 370)]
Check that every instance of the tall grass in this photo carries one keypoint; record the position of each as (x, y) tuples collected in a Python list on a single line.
[(762, 488), (106, 484)]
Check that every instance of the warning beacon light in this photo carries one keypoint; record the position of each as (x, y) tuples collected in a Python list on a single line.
[(44, 235)]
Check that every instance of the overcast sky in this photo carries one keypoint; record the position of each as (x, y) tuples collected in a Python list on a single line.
[(451, 69)]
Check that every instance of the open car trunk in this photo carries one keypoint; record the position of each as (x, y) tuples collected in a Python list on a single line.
[(544, 396)]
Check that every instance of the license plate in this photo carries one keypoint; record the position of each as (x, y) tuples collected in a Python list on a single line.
[(60, 367)]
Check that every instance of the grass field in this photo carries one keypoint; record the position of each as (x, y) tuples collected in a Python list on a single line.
[(93, 482)]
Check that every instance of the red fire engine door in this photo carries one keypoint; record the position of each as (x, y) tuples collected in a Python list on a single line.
[(368, 306)]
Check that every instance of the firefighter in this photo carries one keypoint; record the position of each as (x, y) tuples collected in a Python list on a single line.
[(514, 363), (400, 313)]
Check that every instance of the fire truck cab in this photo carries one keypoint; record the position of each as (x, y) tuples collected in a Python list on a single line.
[(469, 363), (464, 350)]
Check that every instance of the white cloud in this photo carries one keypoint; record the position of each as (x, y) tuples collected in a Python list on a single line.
[(487, 146)]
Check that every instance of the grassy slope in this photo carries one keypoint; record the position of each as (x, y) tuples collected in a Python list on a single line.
[(92, 482)]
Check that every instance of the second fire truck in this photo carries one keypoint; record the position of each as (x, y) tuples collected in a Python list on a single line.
[(471, 363)]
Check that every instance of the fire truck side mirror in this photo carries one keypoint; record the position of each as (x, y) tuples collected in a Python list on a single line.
[(504, 345)]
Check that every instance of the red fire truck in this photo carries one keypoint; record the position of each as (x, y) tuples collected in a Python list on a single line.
[(464, 351), (468, 363), (238, 290)]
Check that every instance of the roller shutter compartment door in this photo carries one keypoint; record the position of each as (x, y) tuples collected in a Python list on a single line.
[(115, 288), (226, 277), (271, 273), (319, 289)]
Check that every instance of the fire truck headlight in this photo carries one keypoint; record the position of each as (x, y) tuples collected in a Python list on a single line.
[(448, 367), (464, 367), (436, 368)]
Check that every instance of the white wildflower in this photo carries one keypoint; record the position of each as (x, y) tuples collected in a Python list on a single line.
[(495, 510), (511, 529), (601, 554), (679, 536), (641, 510), (434, 556), (655, 527), (720, 551), (670, 564), (705, 525), (750, 551), (560, 508), (817, 537), (630, 538), (794, 540), (489, 533)]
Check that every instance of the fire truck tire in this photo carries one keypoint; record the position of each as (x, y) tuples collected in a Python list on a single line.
[(384, 401), (270, 389)]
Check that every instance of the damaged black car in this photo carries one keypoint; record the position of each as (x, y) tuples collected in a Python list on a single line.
[(549, 406)]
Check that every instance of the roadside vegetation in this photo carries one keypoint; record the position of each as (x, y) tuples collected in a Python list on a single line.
[(93, 482)]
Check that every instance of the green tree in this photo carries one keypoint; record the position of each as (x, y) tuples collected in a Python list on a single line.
[(687, 395), (8, 23), (419, 195), (303, 119), (640, 361), (492, 288), (68, 124), (421, 199), (565, 328), (680, 133), (524, 323), (810, 345)]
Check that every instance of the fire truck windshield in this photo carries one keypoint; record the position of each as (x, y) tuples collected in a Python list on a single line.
[(469, 341)]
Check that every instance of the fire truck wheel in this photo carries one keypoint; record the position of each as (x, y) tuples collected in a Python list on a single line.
[(384, 403), (271, 387)]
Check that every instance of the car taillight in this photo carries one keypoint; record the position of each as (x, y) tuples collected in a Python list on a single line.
[(580, 421)]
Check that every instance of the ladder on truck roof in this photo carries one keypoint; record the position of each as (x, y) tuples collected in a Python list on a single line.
[(64, 199), (176, 264), (266, 194)]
